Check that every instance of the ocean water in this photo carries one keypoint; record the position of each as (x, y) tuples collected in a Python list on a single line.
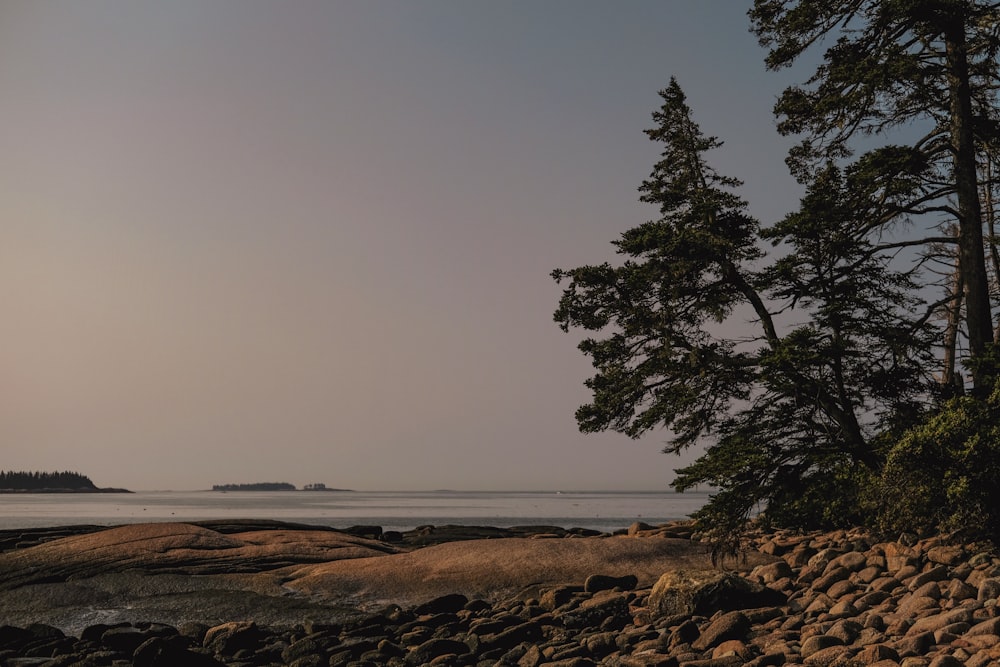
[(604, 510)]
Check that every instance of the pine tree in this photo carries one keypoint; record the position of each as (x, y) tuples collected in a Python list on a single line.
[(928, 64)]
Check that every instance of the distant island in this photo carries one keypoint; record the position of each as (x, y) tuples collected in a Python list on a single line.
[(273, 486), (50, 482)]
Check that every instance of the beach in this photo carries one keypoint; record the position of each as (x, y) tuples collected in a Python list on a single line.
[(264, 593)]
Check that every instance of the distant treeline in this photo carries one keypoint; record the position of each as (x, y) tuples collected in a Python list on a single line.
[(10, 480), (259, 486)]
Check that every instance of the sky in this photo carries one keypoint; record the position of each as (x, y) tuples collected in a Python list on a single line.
[(311, 241)]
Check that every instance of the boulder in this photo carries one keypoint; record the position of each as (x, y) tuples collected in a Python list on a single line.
[(706, 591)]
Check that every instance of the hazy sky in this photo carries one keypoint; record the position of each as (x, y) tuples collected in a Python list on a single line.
[(311, 241)]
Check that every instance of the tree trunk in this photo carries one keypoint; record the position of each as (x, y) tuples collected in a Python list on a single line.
[(971, 258), (950, 380)]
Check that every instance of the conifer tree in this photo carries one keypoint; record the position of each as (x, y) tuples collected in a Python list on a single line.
[(927, 64)]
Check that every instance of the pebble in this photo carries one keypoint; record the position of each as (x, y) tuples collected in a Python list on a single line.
[(838, 598)]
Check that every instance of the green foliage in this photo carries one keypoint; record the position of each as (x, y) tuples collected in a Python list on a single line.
[(802, 370), (786, 417), (686, 272), (942, 473)]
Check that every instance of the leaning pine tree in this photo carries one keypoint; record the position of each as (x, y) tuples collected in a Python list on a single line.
[(788, 372)]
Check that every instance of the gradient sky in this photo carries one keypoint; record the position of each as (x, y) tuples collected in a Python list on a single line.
[(311, 241)]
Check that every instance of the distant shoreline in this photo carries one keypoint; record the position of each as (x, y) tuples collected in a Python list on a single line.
[(272, 487), (30, 491)]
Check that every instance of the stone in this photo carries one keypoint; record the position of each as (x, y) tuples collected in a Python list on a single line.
[(830, 578), (876, 652), (845, 630), (602, 582), (939, 573), (169, 651), (841, 588), (445, 604), (843, 609), (938, 621), (731, 647), (988, 627), (707, 591), (827, 657), (228, 638), (912, 645), (945, 555), (818, 643), (768, 574), (958, 590), (731, 625), (433, 648), (989, 589)]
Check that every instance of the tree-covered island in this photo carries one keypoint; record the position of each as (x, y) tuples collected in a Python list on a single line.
[(50, 482), (840, 365), (255, 486)]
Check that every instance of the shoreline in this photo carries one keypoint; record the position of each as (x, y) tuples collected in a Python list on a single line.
[(835, 598)]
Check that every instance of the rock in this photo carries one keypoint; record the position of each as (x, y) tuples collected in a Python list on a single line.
[(732, 625), (604, 608), (876, 653), (938, 621), (705, 592), (817, 643), (832, 655), (228, 638), (989, 589), (433, 648), (773, 572), (446, 604), (945, 555), (988, 627), (939, 573), (912, 645), (602, 582), (830, 578), (853, 561), (556, 597), (159, 651)]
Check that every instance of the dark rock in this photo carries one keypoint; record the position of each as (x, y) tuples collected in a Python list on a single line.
[(601, 582), (13, 637), (817, 643), (507, 639), (605, 607), (301, 648), (732, 625), (230, 638), (446, 604), (556, 597), (685, 633), (707, 591), (159, 651), (369, 532)]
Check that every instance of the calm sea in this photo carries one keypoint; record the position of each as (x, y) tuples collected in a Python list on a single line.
[(604, 511)]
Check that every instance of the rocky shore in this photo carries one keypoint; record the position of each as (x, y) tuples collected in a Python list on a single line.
[(823, 599)]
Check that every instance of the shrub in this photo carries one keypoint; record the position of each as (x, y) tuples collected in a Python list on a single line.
[(944, 473)]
